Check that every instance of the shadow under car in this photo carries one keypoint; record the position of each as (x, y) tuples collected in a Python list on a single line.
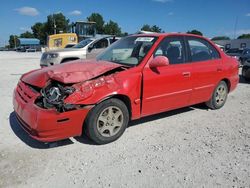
[(24, 136)]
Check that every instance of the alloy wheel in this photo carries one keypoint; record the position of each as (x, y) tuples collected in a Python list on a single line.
[(221, 95), (110, 121)]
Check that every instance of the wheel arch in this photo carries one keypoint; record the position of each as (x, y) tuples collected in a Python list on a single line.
[(69, 59), (123, 98), (228, 83), (86, 126)]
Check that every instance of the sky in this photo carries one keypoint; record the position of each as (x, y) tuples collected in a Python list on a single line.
[(211, 17)]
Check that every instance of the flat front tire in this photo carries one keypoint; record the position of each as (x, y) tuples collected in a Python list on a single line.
[(219, 96), (107, 121)]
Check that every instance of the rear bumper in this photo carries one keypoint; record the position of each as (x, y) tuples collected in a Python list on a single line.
[(47, 125)]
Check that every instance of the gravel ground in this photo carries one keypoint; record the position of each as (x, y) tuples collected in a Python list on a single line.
[(190, 147)]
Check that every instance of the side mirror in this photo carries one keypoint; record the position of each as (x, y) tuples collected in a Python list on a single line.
[(159, 61), (90, 48)]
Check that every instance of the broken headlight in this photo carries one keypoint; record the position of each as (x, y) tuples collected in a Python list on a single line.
[(53, 95)]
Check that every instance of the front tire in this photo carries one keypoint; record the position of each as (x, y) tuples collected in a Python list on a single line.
[(219, 96), (107, 121)]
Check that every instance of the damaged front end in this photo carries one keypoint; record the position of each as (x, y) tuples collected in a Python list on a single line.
[(52, 103), (58, 83), (44, 115), (53, 95), (65, 97)]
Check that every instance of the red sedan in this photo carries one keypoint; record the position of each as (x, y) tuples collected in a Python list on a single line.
[(137, 76)]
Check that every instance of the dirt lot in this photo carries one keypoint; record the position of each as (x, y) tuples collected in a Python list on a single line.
[(190, 147)]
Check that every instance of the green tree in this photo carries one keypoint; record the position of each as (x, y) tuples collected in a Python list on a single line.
[(96, 17), (39, 32), (195, 32), (112, 28), (146, 27), (13, 42), (221, 38), (244, 36), (124, 34), (156, 29), (153, 28), (27, 34), (56, 23)]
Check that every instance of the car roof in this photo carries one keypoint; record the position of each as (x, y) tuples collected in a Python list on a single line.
[(102, 37), (167, 34)]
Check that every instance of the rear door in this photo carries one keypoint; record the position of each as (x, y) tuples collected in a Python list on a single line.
[(168, 87), (206, 68)]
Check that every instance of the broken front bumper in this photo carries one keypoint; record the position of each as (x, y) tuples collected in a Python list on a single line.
[(46, 125)]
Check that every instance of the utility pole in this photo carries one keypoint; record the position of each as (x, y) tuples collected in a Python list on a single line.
[(235, 27), (54, 22), (15, 41)]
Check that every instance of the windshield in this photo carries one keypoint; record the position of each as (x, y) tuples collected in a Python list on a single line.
[(83, 43), (128, 51)]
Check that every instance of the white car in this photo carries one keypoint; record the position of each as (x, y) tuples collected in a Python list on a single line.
[(86, 49)]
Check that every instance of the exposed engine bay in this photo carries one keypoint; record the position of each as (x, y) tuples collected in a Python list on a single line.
[(55, 92), (53, 95)]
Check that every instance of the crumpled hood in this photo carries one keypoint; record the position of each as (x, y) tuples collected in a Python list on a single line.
[(69, 73)]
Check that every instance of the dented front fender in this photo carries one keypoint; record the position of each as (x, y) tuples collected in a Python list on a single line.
[(127, 83)]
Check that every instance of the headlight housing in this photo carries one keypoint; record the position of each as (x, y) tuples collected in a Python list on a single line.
[(53, 95), (52, 55)]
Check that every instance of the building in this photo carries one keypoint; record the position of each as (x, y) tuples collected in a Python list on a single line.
[(235, 43), (28, 44)]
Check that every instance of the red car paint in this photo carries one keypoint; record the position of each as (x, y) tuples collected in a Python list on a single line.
[(41, 124), (148, 91)]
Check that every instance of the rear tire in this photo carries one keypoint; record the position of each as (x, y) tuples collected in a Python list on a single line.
[(219, 96), (107, 121)]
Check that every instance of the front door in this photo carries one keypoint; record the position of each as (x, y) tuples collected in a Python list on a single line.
[(168, 87)]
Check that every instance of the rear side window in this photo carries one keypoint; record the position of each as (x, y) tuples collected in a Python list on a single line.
[(201, 50), (173, 49)]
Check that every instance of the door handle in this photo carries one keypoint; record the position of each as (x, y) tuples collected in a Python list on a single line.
[(186, 74)]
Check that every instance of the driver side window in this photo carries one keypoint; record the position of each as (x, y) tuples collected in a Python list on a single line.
[(103, 43), (172, 48)]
